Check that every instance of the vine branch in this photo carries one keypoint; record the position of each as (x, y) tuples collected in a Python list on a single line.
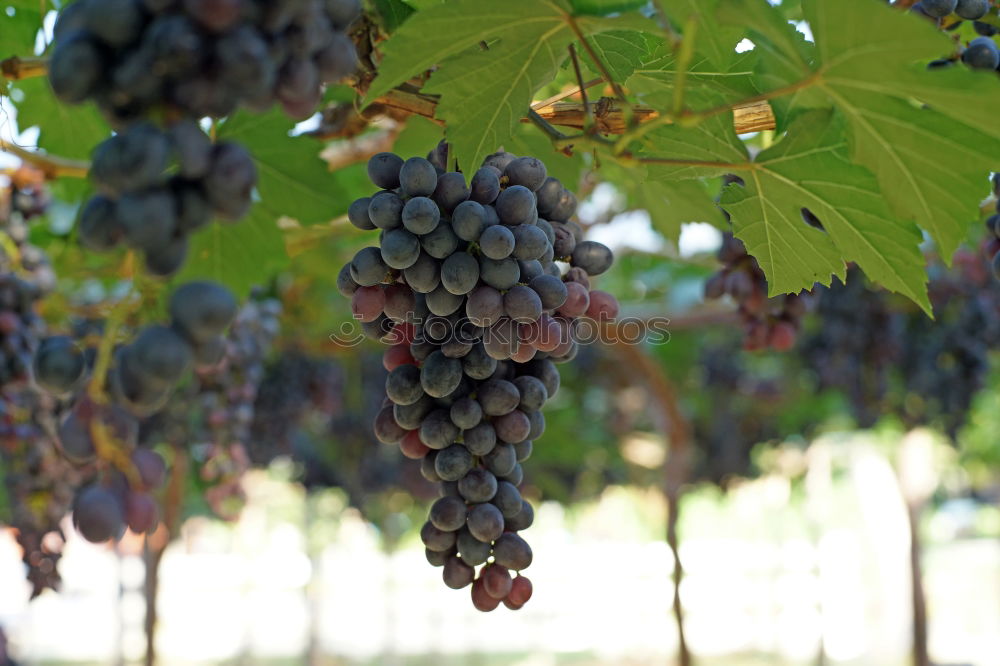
[(51, 165), (610, 117), (16, 68)]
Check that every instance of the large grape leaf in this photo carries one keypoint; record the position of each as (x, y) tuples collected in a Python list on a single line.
[(65, 130), (709, 149), (393, 13), (810, 168), (783, 56), (706, 85), (715, 42), (603, 7), (492, 57), (672, 204), (293, 180), (930, 137), (622, 51)]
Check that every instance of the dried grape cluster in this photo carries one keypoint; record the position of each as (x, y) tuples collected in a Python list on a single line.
[(201, 58), (479, 287), (768, 322), (157, 187)]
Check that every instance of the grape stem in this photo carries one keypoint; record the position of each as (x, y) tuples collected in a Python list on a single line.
[(105, 350), (51, 165), (16, 68)]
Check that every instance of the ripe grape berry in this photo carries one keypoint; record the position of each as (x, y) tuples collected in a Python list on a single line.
[(466, 279)]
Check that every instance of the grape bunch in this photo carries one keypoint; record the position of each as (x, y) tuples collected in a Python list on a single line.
[(156, 187), (102, 435), (212, 416), (479, 287), (768, 322), (36, 481), (198, 58)]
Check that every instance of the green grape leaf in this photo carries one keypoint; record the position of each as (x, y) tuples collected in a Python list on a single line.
[(706, 150), (928, 136), (931, 156), (64, 130), (810, 168), (717, 43), (22, 19), (292, 177), (672, 204), (292, 181), (604, 7), (393, 13), (784, 57), (622, 51), (705, 85), (238, 255), (492, 57)]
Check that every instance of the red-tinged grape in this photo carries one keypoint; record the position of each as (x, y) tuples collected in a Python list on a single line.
[(367, 303), (782, 336), (523, 354), (520, 591), (140, 512), (481, 598), (397, 355), (496, 581), (603, 306), (151, 468), (412, 447), (577, 300)]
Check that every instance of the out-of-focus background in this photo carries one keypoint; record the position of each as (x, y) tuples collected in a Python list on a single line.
[(838, 503)]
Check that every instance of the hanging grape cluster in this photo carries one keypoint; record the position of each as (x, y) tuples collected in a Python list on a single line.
[(101, 435), (767, 322), (889, 357), (199, 58), (212, 416), (157, 187), (478, 287), (38, 483)]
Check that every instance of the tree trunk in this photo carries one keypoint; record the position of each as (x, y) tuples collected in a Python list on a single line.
[(155, 544), (676, 469), (151, 557), (673, 507), (920, 654)]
